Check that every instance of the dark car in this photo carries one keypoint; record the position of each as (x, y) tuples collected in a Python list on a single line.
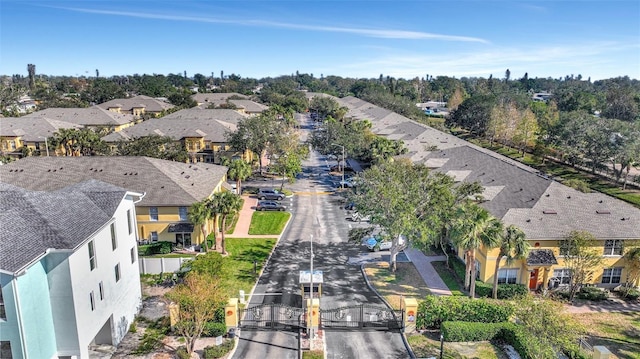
[(273, 194), (337, 168), (269, 206)]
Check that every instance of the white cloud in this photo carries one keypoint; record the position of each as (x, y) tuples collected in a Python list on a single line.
[(377, 33)]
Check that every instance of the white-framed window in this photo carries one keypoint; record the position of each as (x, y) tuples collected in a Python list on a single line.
[(611, 275), (114, 238), (5, 349), (93, 262), (92, 301), (117, 272), (133, 255), (562, 275), (613, 247), (3, 313), (182, 212), (153, 214), (507, 275), (101, 290), (129, 221), (154, 236)]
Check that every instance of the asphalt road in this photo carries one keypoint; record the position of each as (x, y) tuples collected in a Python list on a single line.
[(317, 213)]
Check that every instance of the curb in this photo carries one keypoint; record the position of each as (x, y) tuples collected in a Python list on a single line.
[(404, 336)]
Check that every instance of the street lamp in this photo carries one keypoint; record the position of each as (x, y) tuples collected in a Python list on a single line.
[(343, 164)]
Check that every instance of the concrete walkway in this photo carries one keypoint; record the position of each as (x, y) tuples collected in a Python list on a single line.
[(427, 272)]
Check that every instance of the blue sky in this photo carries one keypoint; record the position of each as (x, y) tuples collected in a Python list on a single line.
[(597, 39)]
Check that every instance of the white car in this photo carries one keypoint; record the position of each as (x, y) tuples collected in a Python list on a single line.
[(376, 243), (357, 217)]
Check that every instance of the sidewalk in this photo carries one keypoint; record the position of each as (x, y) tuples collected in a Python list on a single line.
[(244, 220), (427, 272)]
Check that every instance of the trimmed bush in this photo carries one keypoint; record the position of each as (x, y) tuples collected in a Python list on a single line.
[(432, 311), (219, 351), (155, 248), (592, 293), (505, 291), (629, 293), (524, 343), (213, 329), (469, 331)]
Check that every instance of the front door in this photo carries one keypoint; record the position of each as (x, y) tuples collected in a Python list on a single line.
[(533, 280)]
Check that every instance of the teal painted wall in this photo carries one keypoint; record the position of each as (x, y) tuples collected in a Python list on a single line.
[(61, 294), (37, 319), (9, 327)]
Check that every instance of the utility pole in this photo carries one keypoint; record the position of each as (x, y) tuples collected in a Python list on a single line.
[(311, 301), (342, 166)]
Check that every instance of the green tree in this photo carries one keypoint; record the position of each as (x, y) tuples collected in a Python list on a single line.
[(526, 130), (198, 298), (581, 258), (474, 227), (199, 214), (255, 134), (513, 246), (226, 204), (156, 146), (239, 170), (79, 142), (632, 257)]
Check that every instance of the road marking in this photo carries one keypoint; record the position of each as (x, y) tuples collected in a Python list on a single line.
[(313, 193)]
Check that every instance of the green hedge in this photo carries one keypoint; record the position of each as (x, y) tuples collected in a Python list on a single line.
[(432, 311), (218, 351), (155, 248), (213, 329), (505, 291), (592, 293), (470, 331)]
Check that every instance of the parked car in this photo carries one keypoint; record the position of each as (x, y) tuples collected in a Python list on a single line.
[(336, 168), (350, 206), (270, 206), (272, 194), (347, 183), (377, 243)]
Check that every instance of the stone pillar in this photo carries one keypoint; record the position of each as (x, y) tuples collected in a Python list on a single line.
[(410, 312), (231, 313), (600, 352), (313, 313)]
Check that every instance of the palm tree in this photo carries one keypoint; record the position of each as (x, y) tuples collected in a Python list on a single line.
[(632, 256), (514, 246), (212, 204), (228, 204), (239, 170), (199, 214), (473, 228)]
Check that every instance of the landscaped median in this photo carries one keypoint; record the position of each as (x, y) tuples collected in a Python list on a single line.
[(268, 223)]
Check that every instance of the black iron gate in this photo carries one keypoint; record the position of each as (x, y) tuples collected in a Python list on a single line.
[(272, 317), (363, 316)]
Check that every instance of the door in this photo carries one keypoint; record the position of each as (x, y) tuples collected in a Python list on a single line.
[(533, 280)]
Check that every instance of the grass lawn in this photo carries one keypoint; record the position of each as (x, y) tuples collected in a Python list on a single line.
[(405, 282), (448, 277), (242, 254), (268, 223), (428, 345), (619, 332)]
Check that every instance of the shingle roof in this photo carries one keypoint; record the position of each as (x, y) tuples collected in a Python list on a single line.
[(541, 257), (33, 222), (92, 116), (127, 104), (213, 125), (34, 128), (514, 192), (166, 183), (215, 97)]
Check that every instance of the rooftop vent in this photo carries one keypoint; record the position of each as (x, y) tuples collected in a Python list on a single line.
[(603, 211), (549, 211)]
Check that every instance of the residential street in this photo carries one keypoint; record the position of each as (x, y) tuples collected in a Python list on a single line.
[(317, 212)]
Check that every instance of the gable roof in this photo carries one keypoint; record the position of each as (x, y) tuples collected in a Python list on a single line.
[(32, 128), (213, 125), (34, 222), (150, 104), (166, 183), (92, 116), (514, 192), (202, 98)]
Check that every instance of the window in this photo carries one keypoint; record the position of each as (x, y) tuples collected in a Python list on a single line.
[(153, 213), (101, 290), (5, 349), (562, 275), (3, 313), (92, 301), (613, 247), (114, 239), (507, 276), (93, 263), (183, 239), (154, 236), (129, 222), (611, 275), (182, 211), (133, 255), (117, 272)]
